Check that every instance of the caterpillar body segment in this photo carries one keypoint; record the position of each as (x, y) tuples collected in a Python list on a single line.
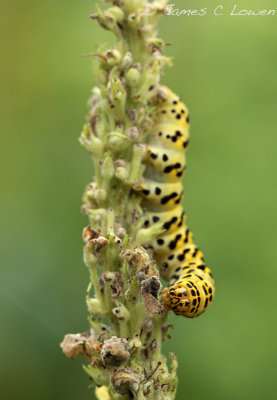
[(191, 287), (176, 139), (163, 194), (169, 165), (169, 243), (172, 219)]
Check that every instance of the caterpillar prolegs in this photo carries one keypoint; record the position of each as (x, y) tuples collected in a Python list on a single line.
[(191, 287)]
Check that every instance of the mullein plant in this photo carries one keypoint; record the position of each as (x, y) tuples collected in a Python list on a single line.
[(122, 347)]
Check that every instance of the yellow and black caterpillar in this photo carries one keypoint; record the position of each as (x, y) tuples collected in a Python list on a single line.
[(191, 288)]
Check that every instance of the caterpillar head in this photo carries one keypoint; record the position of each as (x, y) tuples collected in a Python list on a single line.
[(176, 298)]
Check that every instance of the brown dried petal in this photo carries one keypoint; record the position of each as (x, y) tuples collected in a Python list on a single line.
[(74, 344)]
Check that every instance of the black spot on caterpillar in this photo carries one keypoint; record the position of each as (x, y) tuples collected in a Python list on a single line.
[(191, 287)]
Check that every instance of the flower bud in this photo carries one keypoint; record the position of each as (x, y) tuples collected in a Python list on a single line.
[(117, 95), (140, 149), (133, 77), (107, 167), (121, 173), (120, 163), (121, 312), (90, 259), (92, 143), (133, 132), (100, 194), (155, 43), (106, 19), (94, 306), (135, 343), (117, 13), (127, 60), (113, 57), (120, 231), (117, 141)]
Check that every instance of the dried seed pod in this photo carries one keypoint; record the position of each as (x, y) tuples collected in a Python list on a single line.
[(115, 352), (89, 234), (99, 243), (151, 270), (148, 326), (149, 290), (133, 132), (133, 115), (151, 285), (139, 256), (125, 380), (119, 230)]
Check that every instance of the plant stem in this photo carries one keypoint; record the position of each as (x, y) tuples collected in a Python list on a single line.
[(131, 366)]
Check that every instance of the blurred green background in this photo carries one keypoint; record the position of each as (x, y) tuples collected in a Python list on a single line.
[(225, 70)]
